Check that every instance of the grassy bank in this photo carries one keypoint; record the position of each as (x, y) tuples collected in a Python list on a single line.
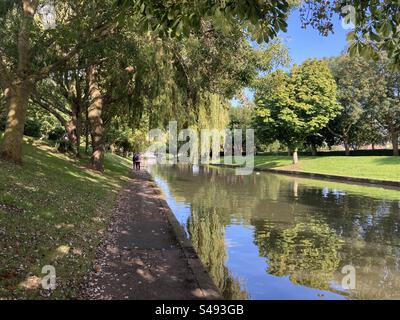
[(381, 168), (53, 211), (370, 167)]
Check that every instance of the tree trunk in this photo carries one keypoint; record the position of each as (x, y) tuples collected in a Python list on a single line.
[(395, 142), (95, 117), (78, 135), (295, 156), (314, 150), (11, 149), (75, 129), (87, 134), (346, 146)]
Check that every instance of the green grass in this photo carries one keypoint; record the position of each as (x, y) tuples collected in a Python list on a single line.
[(381, 168), (53, 211)]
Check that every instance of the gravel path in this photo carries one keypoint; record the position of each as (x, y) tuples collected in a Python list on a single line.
[(143, 255)]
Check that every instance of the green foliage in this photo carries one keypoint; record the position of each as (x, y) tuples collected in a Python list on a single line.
[(293, 106), (240, 118), (56, 134), (368, 94), (262, 20), (33, 128), (208, 237), (307, 252)]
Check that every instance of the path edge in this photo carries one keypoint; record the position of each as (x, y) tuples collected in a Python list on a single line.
[(208, 287)]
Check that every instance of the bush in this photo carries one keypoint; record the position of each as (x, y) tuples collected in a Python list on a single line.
[(56, 134), (33, 128), (64, 146)]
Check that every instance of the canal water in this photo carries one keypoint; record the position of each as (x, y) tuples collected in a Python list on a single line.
[(268, 236)]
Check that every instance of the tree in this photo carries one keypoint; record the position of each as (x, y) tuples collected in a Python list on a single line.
[(356, 86), (323, 137), (39, 52), (78, 29), (386, 107), (293, 106)]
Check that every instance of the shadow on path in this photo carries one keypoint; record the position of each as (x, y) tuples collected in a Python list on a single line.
[(140, 257)]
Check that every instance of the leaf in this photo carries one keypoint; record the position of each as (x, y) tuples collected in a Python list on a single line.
[(352, 36), (386, 29)]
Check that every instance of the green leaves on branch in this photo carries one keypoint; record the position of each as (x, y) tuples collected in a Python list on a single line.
[(262, 19), (293, 106)]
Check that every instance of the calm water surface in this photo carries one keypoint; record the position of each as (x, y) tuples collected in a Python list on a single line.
[(268, 236)]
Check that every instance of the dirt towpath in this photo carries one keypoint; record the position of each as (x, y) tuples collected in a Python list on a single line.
[(144, 254)]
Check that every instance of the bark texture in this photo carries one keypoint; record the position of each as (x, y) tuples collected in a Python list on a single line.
[(95, 112), (21, 88)]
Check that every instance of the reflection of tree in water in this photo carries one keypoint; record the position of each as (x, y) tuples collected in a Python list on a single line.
[(371, 231), (208, 237), (307, 252), (296, 220)]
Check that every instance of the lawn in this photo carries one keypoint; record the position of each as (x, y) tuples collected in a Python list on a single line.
[(372, 167), (53, 211)]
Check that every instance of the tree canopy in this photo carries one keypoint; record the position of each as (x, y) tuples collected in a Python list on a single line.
[(293, 106)]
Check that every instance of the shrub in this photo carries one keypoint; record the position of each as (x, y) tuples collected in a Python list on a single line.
[(56, 134), (33, 128)]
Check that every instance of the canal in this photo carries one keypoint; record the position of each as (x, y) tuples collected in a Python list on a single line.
[(268, 236)]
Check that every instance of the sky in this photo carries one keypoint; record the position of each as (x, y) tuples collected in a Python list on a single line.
[(308, 43)]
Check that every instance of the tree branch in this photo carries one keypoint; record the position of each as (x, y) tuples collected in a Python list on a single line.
[(41, 103)]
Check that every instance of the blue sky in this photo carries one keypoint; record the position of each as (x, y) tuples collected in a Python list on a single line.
[(308, 43)]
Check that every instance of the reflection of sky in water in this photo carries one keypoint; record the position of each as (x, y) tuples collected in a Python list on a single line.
[(181, 210), (256, 211), (336, 193), (244, 261)]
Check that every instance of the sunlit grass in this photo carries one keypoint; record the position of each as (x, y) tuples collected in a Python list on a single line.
[(53, 202), (371, 167)]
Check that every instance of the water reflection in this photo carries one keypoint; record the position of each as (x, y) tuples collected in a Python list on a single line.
[(268, 236)]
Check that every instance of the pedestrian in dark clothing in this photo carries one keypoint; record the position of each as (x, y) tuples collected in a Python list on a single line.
[(136, 161)]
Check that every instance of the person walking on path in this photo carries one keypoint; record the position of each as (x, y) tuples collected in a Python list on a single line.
[(136, 161)]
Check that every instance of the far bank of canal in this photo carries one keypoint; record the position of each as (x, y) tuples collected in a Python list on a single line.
[(268, 236)]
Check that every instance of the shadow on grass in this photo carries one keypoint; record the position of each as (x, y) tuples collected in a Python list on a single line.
[(391, 161)]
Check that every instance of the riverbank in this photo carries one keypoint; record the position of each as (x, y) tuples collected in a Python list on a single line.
[(369, 169), (53, 212), (145, 255)]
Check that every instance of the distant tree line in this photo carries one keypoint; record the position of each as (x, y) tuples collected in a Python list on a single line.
[(348, 101)]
